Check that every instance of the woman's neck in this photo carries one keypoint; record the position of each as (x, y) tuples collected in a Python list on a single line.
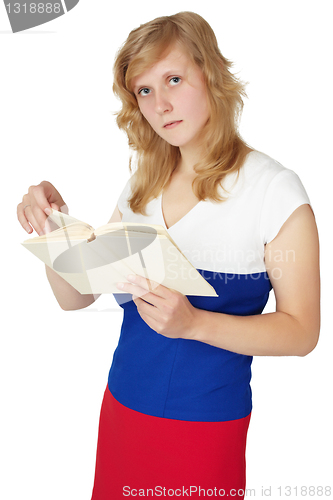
[(188, 159)]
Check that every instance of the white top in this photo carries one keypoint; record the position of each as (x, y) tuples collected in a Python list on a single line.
[(230, 236)]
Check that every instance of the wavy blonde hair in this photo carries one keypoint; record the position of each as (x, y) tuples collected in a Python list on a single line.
[(157, 159)]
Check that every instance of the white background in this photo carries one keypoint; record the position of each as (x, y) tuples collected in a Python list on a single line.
[(57, 124)]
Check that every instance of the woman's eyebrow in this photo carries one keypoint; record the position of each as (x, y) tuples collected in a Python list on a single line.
[(173, 71)]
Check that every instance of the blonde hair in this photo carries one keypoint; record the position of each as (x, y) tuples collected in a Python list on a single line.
[(156, 159)]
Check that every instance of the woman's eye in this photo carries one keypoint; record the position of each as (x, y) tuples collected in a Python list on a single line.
[(144, 92), (174, 80)]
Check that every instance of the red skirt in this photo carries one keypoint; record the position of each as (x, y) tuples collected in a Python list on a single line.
[(145, 456)]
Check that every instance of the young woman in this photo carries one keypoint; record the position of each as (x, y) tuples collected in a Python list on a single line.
[(177, 406)]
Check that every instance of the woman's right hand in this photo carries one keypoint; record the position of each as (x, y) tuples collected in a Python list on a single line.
[(32, 212)]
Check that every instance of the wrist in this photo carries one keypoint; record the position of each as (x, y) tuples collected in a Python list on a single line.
[(198, 325)]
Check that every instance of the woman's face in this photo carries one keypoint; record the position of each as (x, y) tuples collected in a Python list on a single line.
[(173, 98)]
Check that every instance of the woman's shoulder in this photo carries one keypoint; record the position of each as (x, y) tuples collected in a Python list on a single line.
[(259, 173), (258, 164), (261, 170)]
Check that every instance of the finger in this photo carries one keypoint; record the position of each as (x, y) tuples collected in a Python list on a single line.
[(54, 206), (143, 299), (147, 311), (29, 210), (134, 290), (22, 218), (149, 285), (137, 291), (52, 194), (38, 203), (30, 217), (64, 209)]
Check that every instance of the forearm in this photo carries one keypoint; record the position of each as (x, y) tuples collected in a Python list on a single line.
[(272, 334), (68, 298)]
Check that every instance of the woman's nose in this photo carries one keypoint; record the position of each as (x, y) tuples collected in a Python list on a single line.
[(162, 103)]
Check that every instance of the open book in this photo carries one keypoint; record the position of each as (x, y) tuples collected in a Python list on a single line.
[(94, 261)]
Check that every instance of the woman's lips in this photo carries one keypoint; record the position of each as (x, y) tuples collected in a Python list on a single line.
[(172, 124)]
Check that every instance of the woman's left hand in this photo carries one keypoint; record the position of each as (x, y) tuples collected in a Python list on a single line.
[(164, 310)]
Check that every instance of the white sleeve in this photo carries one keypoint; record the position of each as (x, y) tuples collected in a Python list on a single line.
[(122, 202), (284, 194)]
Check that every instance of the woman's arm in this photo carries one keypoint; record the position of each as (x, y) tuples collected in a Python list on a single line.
[(31, 214), (292, 261)]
